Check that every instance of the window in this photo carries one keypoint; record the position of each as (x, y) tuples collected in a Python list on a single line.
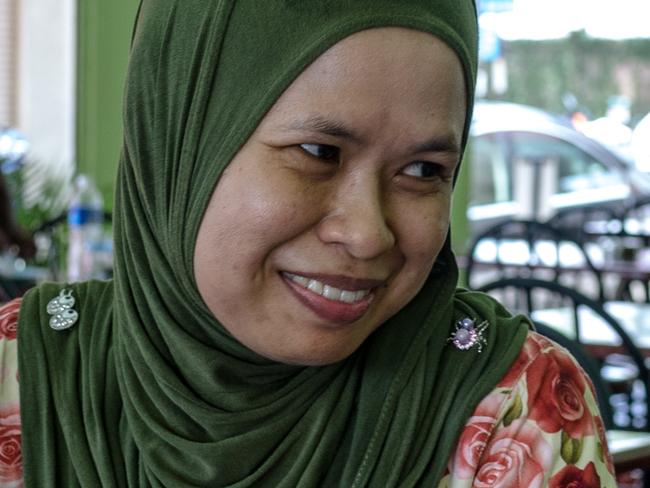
[(8, 21), (575, 170), (491, 172)]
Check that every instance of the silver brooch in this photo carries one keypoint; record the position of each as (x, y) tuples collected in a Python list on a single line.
[(63, 316), (468, 334)]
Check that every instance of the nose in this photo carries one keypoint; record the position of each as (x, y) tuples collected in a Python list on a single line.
[(357, 220)]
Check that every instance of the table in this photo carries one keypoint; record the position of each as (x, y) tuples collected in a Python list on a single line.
[(630, 227), (491, 257), (633, 317), (630, 450), (565, 255)]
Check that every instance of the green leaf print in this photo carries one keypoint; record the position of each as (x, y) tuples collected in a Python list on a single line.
[(571, 448)]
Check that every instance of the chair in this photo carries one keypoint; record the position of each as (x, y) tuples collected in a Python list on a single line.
[(635, 239), (552, 305), (636, 219), (532, 249), (577, 219)]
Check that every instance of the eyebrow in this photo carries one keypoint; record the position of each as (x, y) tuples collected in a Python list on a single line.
[(318, 123), (442, 144)]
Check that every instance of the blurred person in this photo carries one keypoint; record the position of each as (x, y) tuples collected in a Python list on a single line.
[(11, 234)]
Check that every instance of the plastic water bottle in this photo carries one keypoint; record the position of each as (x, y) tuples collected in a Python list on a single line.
[(85, 217)]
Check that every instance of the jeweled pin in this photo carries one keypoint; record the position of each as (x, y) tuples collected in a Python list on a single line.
[(60, 308), (467, 334)]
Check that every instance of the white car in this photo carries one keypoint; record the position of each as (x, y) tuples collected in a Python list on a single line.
[(526, 163)]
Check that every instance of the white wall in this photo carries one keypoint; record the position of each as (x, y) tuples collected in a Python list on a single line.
[(7, 62), (46, 80)]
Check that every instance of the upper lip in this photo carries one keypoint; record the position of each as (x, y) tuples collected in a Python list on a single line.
[(341, 281)]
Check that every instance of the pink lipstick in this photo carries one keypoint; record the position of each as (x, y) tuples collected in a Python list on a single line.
[(334, 298)]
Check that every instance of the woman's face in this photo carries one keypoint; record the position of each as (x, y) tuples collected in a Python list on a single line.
[(330, 217)]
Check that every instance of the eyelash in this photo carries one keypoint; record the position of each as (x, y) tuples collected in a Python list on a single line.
[(434, 170), (323, 152), (330, 153)]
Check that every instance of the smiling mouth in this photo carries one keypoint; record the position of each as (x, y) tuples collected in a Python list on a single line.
[(328, 291), (341, 304)]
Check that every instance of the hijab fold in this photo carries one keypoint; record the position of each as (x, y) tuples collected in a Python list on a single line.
[(148, 389)]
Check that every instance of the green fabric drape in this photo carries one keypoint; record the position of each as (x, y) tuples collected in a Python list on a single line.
[(148, 389)]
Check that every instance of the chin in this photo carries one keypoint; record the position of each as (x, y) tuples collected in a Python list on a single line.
[(311, 356)]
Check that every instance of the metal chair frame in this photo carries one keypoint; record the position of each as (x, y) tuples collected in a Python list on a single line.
[(526, 287), (532, 232)]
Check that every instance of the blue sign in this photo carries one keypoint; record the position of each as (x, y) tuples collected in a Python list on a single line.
[(489, 46), (494, 6)]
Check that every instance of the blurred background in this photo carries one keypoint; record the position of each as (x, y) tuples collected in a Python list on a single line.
[(562, 113), (62, 67)]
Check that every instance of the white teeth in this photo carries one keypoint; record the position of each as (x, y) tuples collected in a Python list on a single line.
[(329, 292), (360, 294), (348, 296), (301, 280), (315, 286)]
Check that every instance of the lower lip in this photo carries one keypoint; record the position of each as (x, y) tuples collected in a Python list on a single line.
[(330, 310)]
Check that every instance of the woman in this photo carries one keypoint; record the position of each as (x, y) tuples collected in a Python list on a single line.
[(284, 310), (11, 234)]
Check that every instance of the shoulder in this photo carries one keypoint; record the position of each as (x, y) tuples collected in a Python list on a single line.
[(10, 427), (9, 319), (539, 424), (9, 352)]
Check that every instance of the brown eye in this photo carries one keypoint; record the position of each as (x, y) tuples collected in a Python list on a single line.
[(322, 151), (423, 169)]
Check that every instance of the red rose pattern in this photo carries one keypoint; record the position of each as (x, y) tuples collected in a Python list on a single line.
[(556, 394), (529, 352), (573, 477), (475, 436), (11, 469), (9, 320), (516, 456), (523, 453)]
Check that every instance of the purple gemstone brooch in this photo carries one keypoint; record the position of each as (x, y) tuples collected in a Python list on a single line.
[(468, 334)]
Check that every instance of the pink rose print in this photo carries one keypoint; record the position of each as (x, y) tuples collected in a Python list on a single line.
[(573, 477), (474, 437), (531, 349), (11, 469), (602, 437), (556, 389), (9, 320), (517, 455)]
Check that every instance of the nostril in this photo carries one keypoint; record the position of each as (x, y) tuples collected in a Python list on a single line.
[(363, 236)]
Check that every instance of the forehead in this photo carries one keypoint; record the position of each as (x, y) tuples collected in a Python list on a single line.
[(382, 75)]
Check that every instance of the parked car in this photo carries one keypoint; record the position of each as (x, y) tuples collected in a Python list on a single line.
[(527, 163)]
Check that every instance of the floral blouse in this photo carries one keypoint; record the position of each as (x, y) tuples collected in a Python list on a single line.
[(539, 427)]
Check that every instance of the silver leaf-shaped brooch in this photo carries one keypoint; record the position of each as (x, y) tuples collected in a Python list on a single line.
[(63, 315)]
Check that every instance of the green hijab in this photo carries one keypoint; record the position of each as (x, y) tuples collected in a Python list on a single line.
[(148, 389)]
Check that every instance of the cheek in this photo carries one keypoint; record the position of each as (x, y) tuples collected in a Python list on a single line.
[(423, 232), (248, 207), (421, 235), (249, 215)]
